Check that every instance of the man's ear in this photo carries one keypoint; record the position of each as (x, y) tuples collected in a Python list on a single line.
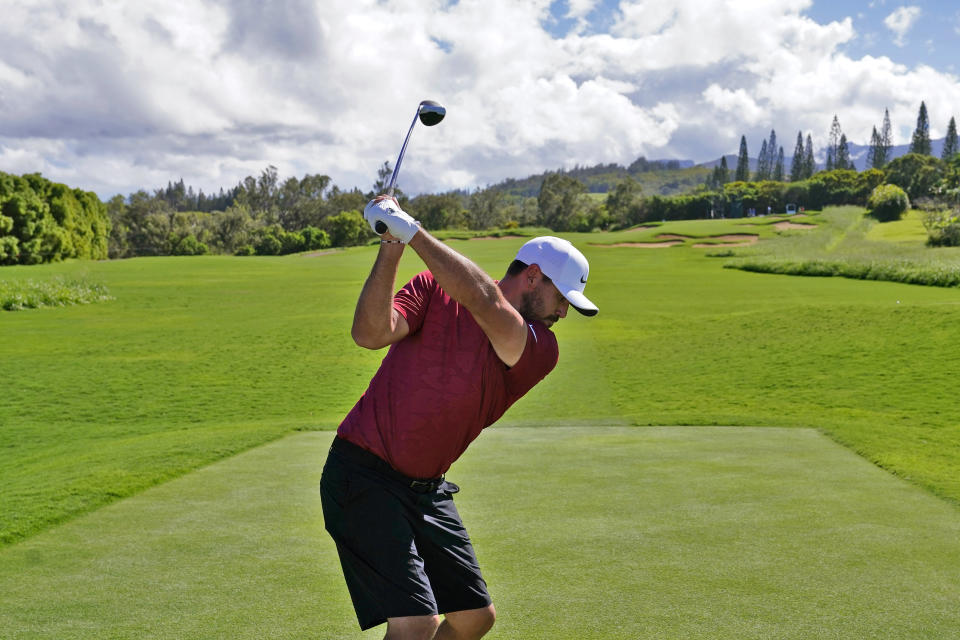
[(532, 276)]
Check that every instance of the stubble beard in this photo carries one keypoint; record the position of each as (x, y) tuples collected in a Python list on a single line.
[(531, 305)]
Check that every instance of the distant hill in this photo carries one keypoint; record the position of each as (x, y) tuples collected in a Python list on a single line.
[(671, 177), (664, 177)]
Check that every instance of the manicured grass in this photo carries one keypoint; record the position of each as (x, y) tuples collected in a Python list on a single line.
[(907, 230), (583, 533), (200, 358)]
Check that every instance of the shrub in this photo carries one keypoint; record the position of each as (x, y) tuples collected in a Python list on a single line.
[(31, 294), (348, 228), (888, 202), (943, 228)]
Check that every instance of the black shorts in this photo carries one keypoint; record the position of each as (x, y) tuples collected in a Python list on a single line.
[(403, 549)]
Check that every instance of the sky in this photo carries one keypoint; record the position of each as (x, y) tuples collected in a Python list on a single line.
[(113, 97)]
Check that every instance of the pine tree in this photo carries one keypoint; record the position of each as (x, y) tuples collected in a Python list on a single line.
[(921, 135), (886, 140), (833, 143), (873, 154), (743, 162), (796, 167), (778, 167), (951, 146), (809, 164), (724, 173), (772, 151), (843, 154), (763, 164)]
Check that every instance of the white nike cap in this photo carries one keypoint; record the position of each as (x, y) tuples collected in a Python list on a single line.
[(563, 263)]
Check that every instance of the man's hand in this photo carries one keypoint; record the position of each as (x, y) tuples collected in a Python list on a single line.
[(386, 211)]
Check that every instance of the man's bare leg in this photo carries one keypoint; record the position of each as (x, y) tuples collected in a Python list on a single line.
[(472, 624), (412, 628)]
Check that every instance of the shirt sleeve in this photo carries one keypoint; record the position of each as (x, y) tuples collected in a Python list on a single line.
[(412, 300), (539, 357)]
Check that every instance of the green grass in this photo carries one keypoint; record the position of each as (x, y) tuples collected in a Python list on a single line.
[(200, 358), (583, 533), (908, 230)]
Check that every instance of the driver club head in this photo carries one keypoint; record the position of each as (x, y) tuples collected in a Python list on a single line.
[(431, 112)]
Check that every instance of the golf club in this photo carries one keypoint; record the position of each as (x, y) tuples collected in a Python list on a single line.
[(430, 113)]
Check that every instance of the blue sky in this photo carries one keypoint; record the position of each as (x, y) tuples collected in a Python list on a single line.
[(114, 97), (919, 31)]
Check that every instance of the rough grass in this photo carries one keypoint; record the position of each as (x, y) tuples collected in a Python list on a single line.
[(587, 533), (851, 245), (18, 295)]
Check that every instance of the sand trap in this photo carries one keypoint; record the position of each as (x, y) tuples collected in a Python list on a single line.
[(732, 240), (780, 226), (325, 252), (672, 236), (646, 245)]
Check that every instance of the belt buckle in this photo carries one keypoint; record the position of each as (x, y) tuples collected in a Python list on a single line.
[(426, 486)]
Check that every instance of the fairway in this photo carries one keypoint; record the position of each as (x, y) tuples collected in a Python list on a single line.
[(583, 532)]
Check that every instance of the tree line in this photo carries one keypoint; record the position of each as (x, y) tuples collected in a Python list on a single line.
[(41, 221)]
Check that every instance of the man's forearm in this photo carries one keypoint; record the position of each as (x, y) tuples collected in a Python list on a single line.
[(374, 322)]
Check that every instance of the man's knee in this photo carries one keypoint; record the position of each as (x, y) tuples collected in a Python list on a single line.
[(473, 623), (412, 628)]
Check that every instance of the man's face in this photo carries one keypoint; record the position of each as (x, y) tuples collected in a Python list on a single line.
[(544, 303)]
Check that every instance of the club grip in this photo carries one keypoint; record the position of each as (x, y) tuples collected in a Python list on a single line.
[(381, 227)]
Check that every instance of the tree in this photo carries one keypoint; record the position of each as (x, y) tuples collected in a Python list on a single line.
[(915, 173), (951, 146), (778, 175), (437, 211), (886, 141), (720, 175), (558, 201), (723, 174), (623, 202), (485, 208), (833, 143), (796, 166), (763, 166), (743, 162), (873, 153), (809, 164), (771, 154), (921, 135), (842, 159)]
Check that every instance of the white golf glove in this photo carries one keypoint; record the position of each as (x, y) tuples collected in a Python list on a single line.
[(387, 212)]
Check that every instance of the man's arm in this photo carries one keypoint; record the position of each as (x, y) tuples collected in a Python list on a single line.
[(376, 323), (469, 285)]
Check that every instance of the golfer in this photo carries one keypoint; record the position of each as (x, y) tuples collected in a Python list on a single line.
[(463, 348)]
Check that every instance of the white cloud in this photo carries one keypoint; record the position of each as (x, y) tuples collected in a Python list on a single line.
[(736, 103), (901, 21), (120, 96)]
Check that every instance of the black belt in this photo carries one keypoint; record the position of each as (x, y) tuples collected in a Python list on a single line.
[(358, 455)]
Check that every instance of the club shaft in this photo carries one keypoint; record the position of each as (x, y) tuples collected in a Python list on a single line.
[(403, 150)]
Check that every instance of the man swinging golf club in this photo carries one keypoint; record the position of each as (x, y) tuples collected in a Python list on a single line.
[(463, 348)]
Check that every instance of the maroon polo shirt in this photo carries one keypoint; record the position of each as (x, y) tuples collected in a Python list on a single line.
[(440, 386)]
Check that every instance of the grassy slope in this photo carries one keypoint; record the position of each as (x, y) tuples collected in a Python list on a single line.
[(198, 358), (584, 533)]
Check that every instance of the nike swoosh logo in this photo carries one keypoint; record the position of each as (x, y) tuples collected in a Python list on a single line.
[(583, 280)]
